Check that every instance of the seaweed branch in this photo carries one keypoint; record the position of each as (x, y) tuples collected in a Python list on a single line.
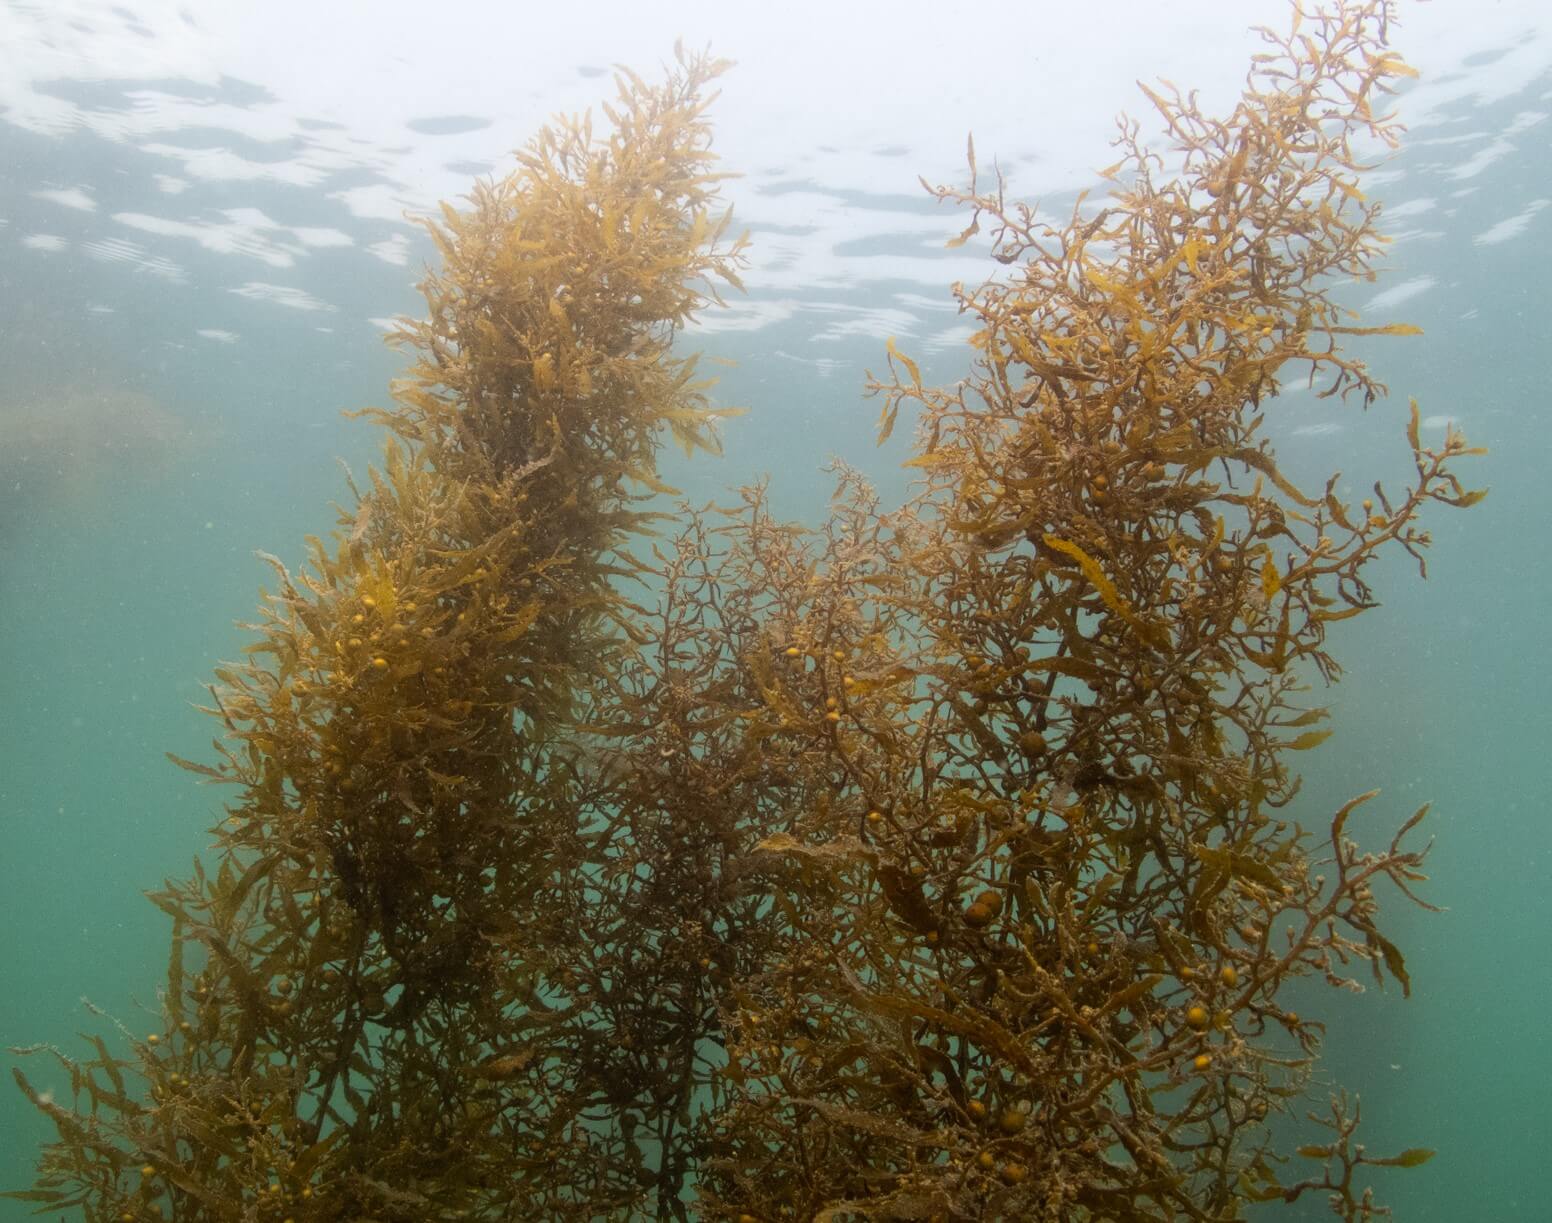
[(591, 858)]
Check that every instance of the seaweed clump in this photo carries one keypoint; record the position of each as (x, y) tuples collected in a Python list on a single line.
[(595, 862)]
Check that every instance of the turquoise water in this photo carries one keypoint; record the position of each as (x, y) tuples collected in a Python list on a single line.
[(187, 303)]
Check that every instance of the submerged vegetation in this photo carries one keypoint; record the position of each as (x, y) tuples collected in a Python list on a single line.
[(589, 861)]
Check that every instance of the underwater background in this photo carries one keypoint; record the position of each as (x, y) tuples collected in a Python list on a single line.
[(202, 237)]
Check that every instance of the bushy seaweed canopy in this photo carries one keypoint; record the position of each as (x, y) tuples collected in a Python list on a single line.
[(590, 862)]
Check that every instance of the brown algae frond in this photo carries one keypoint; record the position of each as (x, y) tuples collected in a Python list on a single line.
[(588, 861)]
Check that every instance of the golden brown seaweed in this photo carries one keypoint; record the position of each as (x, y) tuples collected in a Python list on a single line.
[(590, 861)]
